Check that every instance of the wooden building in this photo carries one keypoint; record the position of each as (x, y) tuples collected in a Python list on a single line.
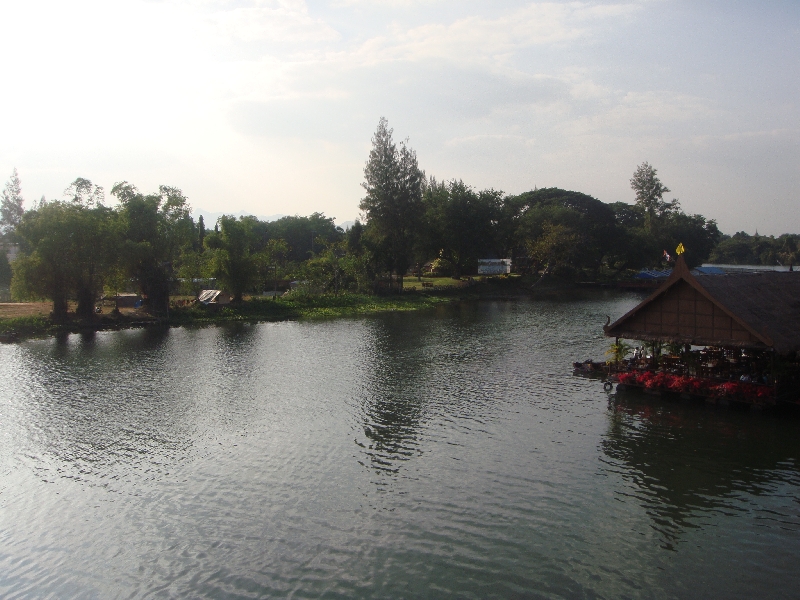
[(759, 311)]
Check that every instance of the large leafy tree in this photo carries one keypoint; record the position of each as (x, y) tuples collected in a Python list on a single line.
[(698, 235), (84, 192), (459, 223), (155, 228), (392, 204), (42, 270), (269, 260), (650, 194), (235, 264), (507, 232), (586, 225), (744, 249), (94, 253), (302, 234), (68, 248)]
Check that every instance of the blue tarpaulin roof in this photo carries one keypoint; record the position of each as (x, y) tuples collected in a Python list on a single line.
[(664, 273), (707, 271), (653, 274)]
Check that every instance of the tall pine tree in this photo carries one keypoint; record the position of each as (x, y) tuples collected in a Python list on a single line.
[(11, 210), (393, 202)]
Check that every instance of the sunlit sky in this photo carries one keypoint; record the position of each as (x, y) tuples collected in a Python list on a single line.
[(268, 107)]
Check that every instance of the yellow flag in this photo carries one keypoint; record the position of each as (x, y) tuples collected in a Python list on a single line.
[(680, 249)]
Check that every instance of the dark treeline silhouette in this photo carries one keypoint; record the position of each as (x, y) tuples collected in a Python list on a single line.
[(77, 248), (744, 249)]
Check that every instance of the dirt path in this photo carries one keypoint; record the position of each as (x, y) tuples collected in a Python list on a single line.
[(11, 310)]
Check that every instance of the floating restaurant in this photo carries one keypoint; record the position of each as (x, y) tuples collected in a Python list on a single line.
[(729, 338)]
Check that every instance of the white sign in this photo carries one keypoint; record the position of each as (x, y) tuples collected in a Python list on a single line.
[(494, 266)]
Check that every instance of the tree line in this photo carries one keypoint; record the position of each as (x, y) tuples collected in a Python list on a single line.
[(411, 219), (78, 247)]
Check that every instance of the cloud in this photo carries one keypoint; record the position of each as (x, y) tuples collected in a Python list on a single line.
[(390, 3), (486, 40), (282, 96), (278, 22), (438, 72)]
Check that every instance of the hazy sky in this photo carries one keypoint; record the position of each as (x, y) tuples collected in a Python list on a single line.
[(269, 106)]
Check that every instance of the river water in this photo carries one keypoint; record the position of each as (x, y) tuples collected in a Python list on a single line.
[(441, 454)]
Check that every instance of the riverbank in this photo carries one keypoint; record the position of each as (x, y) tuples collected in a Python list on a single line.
[(24, 320)]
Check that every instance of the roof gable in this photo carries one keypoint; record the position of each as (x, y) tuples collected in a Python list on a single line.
[(749, 310)]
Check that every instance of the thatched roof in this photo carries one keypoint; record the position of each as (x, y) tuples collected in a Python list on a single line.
[(753, 310)]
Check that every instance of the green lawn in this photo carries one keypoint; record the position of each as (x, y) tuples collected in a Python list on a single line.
[(27, 321), (414, 283)]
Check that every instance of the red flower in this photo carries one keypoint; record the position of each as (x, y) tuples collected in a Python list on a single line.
[(729, 388), (644, 378), (765, 392)]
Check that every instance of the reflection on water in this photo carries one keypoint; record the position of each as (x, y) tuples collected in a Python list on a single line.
[(683, 462), (393, 410), (448, 453), (134, 424)]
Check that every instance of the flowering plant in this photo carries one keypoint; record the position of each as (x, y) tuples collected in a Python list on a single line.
[(696, 385)]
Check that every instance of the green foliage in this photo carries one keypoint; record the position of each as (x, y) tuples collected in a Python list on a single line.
[(392, 203), (564, 229), (354, 238), (459, 223), (618, 351), (193, 265), (698, 235), (303, 235), (154, 229), (5, 270), (232, 255), (441, 267), (270, 264), (74, 249), (744, 249), (11, 210), (297, 306), (67, 248), (650, 195), (654, 348), (674, 348), (557, 246), (83, 192), (323, 273), (27, 325)]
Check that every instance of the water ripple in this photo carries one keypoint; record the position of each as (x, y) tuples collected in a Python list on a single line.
[(405, 455)]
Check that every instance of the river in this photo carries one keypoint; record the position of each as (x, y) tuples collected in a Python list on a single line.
[(448, 453)]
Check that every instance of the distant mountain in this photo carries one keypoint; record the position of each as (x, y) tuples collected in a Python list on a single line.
[(210, 218)]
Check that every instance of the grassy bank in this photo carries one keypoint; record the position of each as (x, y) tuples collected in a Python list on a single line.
[(20, 320), (27, 326), (254, 309), (309, 307)]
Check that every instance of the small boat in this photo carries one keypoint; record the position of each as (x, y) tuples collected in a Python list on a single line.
[(589, 368)]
